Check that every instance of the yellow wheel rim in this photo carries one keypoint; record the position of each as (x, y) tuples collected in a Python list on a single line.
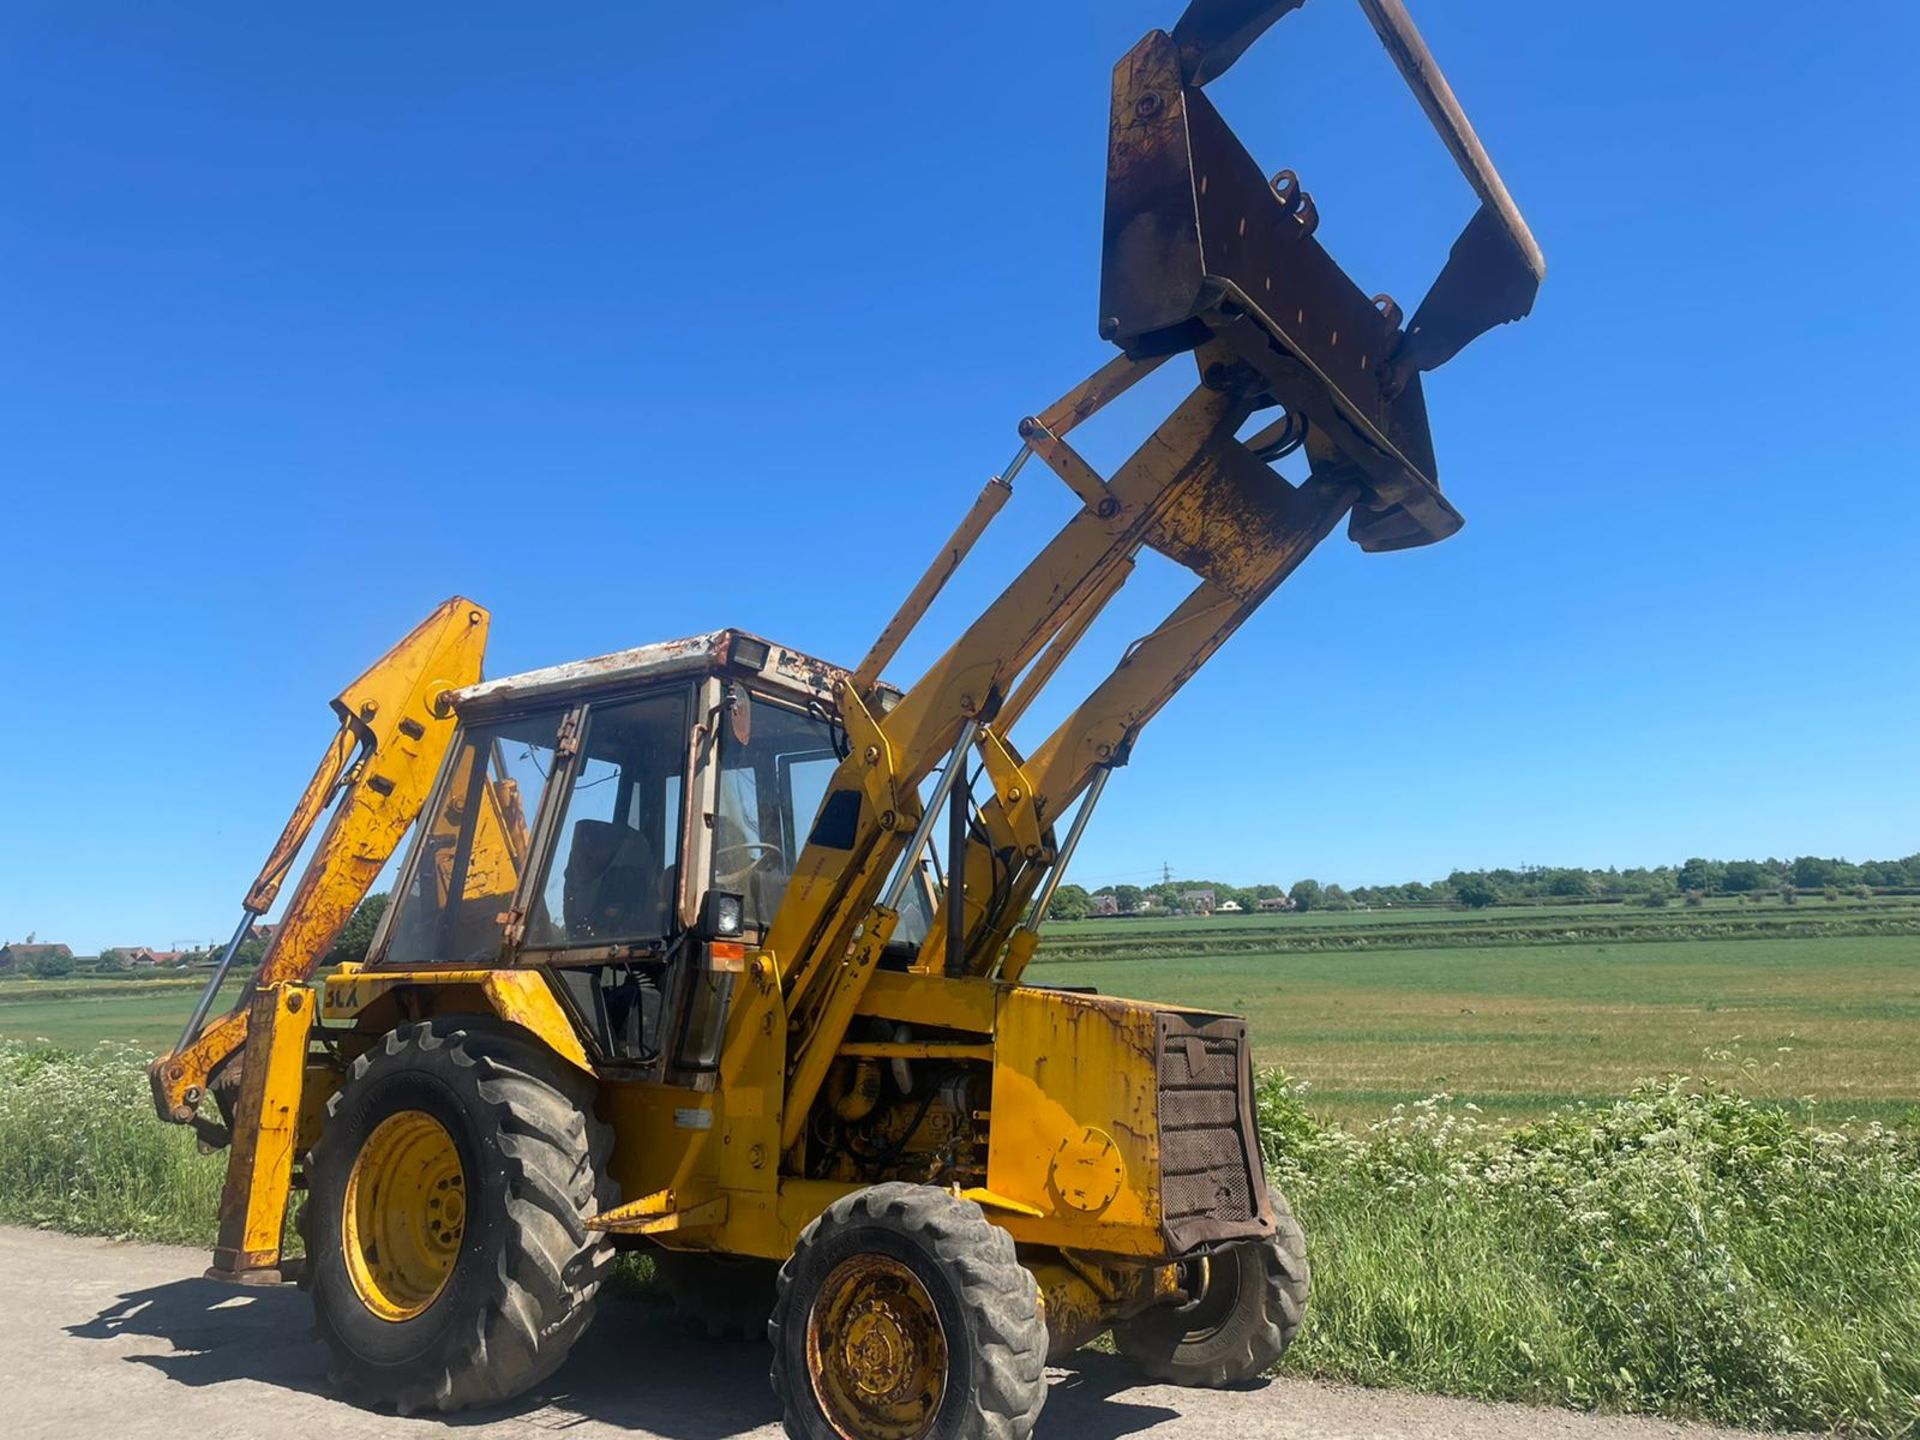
[(404, 1216), (876, 1351)]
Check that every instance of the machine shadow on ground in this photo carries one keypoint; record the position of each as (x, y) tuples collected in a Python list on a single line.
[(636, 1368)]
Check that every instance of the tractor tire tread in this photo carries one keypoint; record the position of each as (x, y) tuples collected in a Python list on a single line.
[(540, 1296), (1261, 1332), (1007, 1385)]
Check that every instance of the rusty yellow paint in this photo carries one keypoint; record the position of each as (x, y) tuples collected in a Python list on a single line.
[(876, 1350), (752, 1092), (1074, 1311), (1072, 1143), (832, 889), (1061, 1060), (253, 1204), (1103, 726), (180, 1079), (723, 1142), (949, 1003), (1081, 1297), (660, 1202), (520, 997), (397, 708), (701, 1215), (394, 731), (1013, 827)]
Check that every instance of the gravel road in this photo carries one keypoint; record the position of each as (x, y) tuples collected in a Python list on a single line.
[(99, 1338)]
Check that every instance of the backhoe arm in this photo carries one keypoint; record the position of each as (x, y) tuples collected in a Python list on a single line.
[(375, 775)]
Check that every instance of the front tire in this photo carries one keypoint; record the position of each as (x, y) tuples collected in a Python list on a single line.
[(1243, 1322), (446, 1239), (904, 1314)]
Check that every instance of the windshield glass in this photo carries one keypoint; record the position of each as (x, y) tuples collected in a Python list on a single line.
[(473, 846), (774, 767)]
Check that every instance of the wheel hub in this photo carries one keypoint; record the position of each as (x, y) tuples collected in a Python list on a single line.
[(404, 1215), (876, 1350)]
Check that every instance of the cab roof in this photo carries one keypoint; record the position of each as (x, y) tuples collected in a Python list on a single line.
[(730, 651)]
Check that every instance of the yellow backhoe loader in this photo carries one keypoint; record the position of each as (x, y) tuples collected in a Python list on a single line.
[(673, 961)]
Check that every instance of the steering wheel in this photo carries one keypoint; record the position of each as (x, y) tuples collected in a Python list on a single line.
[(757, 853)]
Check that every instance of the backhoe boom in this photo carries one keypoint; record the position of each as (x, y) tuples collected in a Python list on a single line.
[(394, 731)]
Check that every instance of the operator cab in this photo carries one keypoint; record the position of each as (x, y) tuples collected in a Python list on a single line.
[(611, 819)]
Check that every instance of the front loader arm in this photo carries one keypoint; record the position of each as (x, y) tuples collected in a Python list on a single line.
[(1203, 254), (394, 730)]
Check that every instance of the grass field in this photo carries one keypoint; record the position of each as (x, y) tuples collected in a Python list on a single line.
[(1515, 1009), (1673, 1248), (75, 1015), (1521, 1028)]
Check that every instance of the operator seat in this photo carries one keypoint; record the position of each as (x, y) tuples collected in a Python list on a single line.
[(612, 886)]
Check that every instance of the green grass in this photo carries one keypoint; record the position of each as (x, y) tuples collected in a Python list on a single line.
[(1680, 1252), (1520, 1029), (1677, 1252), (76, 1015), (81, 1150)]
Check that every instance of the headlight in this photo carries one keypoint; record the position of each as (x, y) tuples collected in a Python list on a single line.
[(723, 915)]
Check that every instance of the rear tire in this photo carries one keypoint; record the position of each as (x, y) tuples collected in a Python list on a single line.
[(1255, 1299), (904, 1314), (447, 1248)]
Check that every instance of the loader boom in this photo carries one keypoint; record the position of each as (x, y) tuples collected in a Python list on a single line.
[(1202, 255)]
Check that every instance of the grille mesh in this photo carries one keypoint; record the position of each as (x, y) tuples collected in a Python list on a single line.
[(1208, 1173)]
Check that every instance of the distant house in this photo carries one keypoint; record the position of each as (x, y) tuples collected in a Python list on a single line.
[(144, 955), (1106, 905), (1276, 902), (1199, 901), (1229, 907), (16, 958), (262, 932)]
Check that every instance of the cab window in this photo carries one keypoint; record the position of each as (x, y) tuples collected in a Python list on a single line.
[(471, 851), (614, 874)]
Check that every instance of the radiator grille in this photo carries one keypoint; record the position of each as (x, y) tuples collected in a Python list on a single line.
[(1209, 1167)]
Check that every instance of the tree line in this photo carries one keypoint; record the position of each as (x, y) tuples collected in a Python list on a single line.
[(1695, 879)]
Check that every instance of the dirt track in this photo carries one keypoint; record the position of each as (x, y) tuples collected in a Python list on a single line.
[(127, 1341)]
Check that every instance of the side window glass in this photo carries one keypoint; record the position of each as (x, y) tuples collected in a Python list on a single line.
[(614, 873), (806, 781), (473, 846)]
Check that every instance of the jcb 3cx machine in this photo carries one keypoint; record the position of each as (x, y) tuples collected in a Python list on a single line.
[(720, 951)]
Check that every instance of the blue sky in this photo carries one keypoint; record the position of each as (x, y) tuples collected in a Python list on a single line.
[(632, 326)]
